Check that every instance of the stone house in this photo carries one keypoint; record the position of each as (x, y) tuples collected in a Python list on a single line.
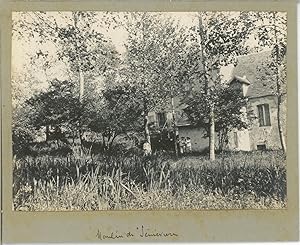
[(263, 131), (262, 101)]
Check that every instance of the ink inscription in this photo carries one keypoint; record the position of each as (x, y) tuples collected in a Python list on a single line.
[(139, 232)]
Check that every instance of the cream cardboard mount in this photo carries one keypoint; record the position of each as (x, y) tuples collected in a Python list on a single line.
[(33, 217)]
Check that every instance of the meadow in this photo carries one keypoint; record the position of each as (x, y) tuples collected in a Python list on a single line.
[(235, 180)]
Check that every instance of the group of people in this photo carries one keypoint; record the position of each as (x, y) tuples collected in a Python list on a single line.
[(185, 145)]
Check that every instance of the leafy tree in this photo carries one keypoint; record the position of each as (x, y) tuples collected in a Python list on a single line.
[(76, 40), (86, 49), (23, 86), (119, 112), (155, 50), (180, 63), (23, 132), (56, 106), (229, 110), (22, 129), (74, 36), (222, 37)]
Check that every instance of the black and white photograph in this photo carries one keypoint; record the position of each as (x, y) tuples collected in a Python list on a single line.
[(149, 110)]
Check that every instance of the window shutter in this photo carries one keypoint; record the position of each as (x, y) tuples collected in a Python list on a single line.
[(267, 115), (260, 115), (161, 119), (236, 140)]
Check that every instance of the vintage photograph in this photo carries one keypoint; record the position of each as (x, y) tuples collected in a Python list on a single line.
[(149, 110)]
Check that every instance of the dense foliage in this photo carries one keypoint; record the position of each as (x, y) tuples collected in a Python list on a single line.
[(229, 105)]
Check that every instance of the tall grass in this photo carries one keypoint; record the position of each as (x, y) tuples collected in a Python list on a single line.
[(234, 180)]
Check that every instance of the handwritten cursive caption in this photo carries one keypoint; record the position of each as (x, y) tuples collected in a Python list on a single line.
[(139, 232)]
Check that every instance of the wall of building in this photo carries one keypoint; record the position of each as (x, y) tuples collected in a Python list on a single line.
[(259, 135), (239, 140), (267, 135)]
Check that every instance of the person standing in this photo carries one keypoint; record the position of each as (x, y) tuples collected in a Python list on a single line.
[(182, 145), (147, 148), (188, 145)]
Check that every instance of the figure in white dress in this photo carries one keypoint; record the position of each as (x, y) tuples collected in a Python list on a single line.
[(182, 145), (147, 148)]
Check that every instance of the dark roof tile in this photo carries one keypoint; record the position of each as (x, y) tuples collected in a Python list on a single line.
[(247, 67)]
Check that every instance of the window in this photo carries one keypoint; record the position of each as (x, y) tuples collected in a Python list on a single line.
[(264, 115), (161, 118), (261, 147)]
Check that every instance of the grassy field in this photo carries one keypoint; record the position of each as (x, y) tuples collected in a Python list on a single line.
[(254, 180)]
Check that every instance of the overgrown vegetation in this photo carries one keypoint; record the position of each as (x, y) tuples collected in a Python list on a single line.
[(233, 181), (81, 90)]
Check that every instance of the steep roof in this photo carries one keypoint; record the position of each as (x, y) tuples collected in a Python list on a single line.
[(246, 70)]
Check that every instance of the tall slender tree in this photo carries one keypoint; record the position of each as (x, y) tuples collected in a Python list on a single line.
[(222, 37), (272, 33)]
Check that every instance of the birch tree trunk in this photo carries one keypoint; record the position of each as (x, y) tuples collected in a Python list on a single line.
[(212, 134), (81, 84), (281, 133), (80, 72), (147, 131), (176, 133), (211, 113), (144, 79), (146, 123), (278, 86)]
